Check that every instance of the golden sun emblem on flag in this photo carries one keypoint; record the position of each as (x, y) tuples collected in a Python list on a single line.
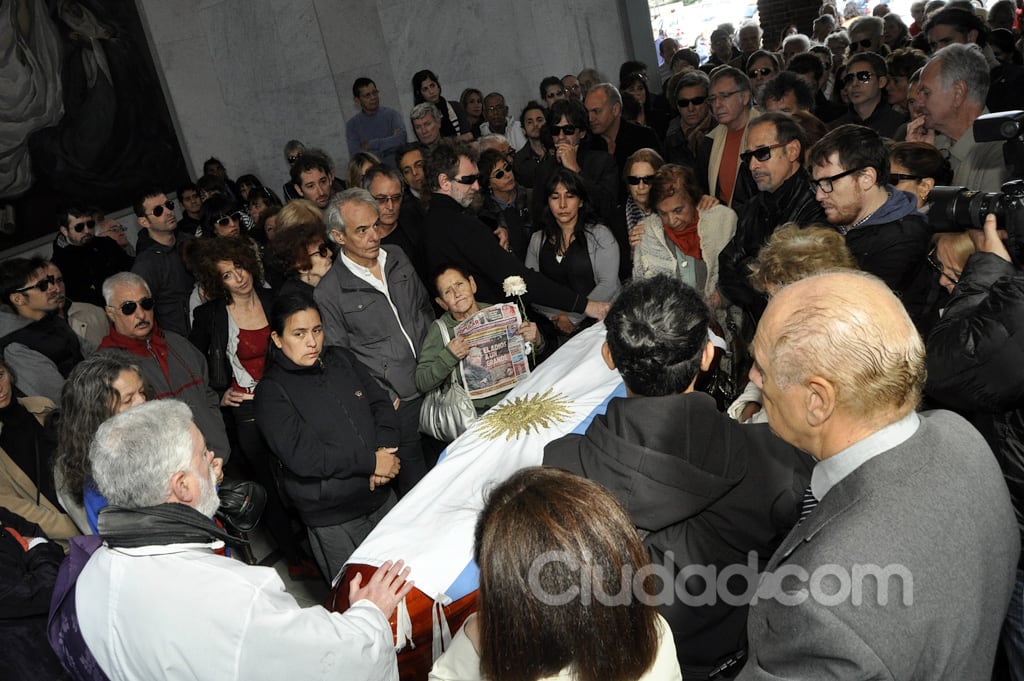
[(524, 414)]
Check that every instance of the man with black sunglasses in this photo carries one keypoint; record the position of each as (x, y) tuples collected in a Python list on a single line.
[(774, 154), (865, 81), (85, 259), (159, 260), (866, 36), (32, 293), (171, 366)]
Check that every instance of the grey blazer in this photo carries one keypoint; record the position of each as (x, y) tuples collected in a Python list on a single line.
[(934, 508)]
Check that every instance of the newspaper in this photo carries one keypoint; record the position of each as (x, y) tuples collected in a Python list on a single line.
[(497, 356)]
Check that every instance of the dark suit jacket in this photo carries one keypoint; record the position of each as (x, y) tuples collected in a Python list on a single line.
[(934, 507)]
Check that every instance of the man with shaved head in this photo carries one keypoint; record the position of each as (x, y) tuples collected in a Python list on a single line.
[(903, 563)]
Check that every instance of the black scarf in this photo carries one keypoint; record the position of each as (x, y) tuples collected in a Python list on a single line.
[(159, 525)]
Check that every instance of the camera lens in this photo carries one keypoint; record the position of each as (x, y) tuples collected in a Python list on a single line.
[(955, 209)]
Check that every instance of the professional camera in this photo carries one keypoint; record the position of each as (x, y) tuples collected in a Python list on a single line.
[(954, 209)]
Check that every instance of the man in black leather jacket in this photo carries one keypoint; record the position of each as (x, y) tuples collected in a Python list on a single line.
[(775, 151)]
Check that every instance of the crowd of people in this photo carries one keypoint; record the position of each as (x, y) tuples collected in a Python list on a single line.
[(764, 215)]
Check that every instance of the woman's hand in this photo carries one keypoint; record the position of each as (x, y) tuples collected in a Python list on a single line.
[(234, 398), (388, 585), (636, 234), (595, 309), (707, 202), (529, 332), (459, 347)]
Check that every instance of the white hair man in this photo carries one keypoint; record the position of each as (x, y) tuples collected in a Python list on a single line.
[(867, 580), (951, 95), (155, 601)]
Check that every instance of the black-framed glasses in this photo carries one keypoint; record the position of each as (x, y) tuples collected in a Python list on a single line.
[(502, 172), (82, 226), (387, 198), (936, 264), (762, 154), (683, 102), (323, 250), (159, 210), (567, 130), (901, 177), (467, 179), (223, 220), (766, 71), (129, 307), (825, 183), (723, 95), (862, 76), (637, 179), (42, 285)]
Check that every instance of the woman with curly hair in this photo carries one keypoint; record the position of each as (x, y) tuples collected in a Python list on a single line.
[(302, 252), (99, 387)]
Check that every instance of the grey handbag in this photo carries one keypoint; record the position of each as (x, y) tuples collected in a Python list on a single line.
[(447, 411)]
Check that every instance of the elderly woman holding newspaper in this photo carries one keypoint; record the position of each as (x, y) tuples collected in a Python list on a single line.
[(444, 351)]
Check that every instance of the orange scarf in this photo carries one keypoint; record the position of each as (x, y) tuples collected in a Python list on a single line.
[(687, 239)]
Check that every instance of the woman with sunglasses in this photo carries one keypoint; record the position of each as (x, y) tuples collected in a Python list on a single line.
[(638, 174), (220, 216), (689, 95), (333, 429), (506, 202), (233, 332), (303, 254), (917, 168), (573, 249)]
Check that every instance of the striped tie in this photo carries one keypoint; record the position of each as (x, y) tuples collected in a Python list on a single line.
[(807, 504)]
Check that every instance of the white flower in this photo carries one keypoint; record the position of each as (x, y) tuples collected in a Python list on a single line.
[(514, 286)]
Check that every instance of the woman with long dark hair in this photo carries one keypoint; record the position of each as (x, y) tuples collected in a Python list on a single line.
[(332, 427), (106, 383), (572, 248), (537, 514), (454, 121)]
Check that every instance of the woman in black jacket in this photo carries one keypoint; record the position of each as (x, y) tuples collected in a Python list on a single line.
[(233, 331), (332, 427)]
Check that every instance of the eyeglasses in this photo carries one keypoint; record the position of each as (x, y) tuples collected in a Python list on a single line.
[(501, 173), (43, 284), (567, 130), (825, 183), (862, 76), (575, 89), (467, 179), (82, 226), (388, 198), (128, 307), (900, 177), (293, 158), (725, 95), (223, 220), (496, 107), (762, 154), (951, 274), (766, 71), (323, 250), (159, 210), (866, 43), (683, 102), (637, 179)]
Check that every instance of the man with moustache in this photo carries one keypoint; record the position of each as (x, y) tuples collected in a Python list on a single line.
[(171, 366), (774, 154)]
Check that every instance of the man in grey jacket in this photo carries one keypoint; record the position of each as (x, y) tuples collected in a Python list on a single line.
[(373, 303), (904, 568)]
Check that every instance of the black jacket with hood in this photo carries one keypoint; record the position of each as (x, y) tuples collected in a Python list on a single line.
[(705, 491)]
